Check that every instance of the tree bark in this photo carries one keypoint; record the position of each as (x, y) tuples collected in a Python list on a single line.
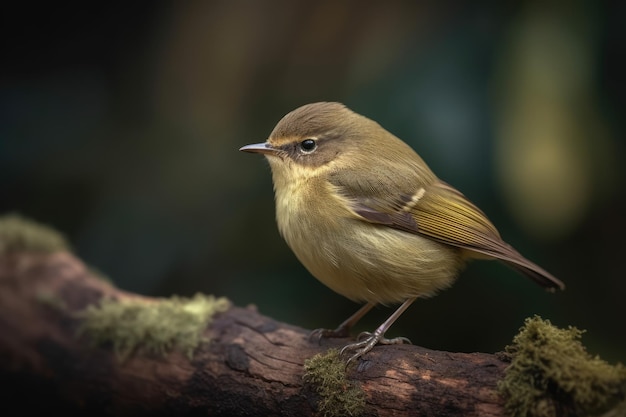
[(253, 365)]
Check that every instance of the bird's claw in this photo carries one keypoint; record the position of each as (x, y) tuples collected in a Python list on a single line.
[(366, 341), (319, 334), (385, 341)]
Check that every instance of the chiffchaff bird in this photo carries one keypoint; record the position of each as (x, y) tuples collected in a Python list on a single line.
[(367, 217)]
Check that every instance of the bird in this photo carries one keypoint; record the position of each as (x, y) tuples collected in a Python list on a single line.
[(368, 218)]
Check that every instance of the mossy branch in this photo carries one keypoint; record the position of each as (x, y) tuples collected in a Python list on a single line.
[(76, 344)]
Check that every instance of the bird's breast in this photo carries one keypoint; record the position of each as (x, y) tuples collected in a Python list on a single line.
[(357, 259)]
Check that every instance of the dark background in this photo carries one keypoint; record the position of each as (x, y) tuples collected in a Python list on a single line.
[(120, 125)]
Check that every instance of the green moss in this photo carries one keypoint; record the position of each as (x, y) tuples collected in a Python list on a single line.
[(147, 326), (338, 396), (551, 374), (19, 234)]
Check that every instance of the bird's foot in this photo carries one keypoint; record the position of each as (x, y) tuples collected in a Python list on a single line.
[(366, 341), (319, 334), (344, 328)]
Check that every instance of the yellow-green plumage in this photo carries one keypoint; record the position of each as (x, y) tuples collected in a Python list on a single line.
[(374, 263)]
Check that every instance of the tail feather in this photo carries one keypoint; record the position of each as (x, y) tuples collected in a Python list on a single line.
[(537, 274), (511, 257)]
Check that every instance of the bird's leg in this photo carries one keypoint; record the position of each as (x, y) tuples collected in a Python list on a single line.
[(366, 341), (344, 328)]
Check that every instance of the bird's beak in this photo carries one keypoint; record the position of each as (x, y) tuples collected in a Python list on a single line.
[(264, 148)]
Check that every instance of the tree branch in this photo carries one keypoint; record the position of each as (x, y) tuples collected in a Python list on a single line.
[(252, 365)]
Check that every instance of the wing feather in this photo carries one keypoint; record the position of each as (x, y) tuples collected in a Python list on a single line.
[(442, 213)]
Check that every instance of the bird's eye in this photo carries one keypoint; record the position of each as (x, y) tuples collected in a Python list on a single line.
[(308, 145)]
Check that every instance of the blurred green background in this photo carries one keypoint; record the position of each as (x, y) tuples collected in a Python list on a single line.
[(120, 127)]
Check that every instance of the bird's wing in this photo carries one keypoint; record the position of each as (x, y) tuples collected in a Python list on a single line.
[(440, 212)]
